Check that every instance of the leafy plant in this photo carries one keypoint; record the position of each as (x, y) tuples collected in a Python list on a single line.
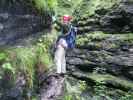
[(43, 49), (68, 97), (45, 5), (25, 61), (3, 56), (7, 66)]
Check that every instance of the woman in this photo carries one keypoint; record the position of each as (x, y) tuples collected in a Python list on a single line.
[(61, 47)]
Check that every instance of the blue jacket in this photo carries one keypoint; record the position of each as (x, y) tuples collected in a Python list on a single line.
[(70, 37)]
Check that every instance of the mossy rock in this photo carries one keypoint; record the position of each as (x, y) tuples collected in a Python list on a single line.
[(97, 38), (105, 78), (88, 7), (66, 7)]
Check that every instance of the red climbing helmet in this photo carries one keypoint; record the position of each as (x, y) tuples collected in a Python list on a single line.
[(66, 19)]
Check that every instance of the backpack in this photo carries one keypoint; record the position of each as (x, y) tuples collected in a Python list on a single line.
[(71, 37)]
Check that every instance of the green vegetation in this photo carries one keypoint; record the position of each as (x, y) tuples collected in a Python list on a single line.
[(3, 56), (75, 89), (29, 61), (25, 61), (87, 8), (101, 91), (95, 36), (68, 97), (104, 82), (105, 79), (82, 85), (42, 6), (128, 96), (66, 6), (45, 5)]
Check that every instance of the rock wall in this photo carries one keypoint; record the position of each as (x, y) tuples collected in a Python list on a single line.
[(17, 6), (14, 27), (110, 52), (19, 20), (105, 59), (104, 50), (105, 53), (108, 16)]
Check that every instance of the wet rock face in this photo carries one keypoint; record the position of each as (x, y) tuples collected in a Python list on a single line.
[(14, 27), (18, 20), (116, 19), (108, 55), (111, 54), (120, 19), (16, 6)]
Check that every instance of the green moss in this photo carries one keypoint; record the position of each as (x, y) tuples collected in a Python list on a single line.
[(127, 96), (68, 97), (113, 46), (88, 7), (81, 41), (3, 56), (73, 89), (101, 91), (66, 7), (97, 45), (97, 36), (44, 5), (90, 37), (82, 85), (79, 90), (106, 78), (126, 38), (96, 40)]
